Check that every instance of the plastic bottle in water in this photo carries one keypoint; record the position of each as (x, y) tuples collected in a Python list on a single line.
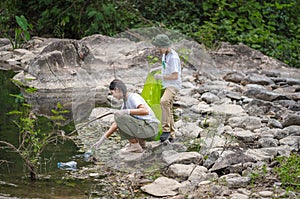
[(87, 155), (72, 165)]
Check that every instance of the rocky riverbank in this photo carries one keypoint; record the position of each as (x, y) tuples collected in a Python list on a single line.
[(237, 111)]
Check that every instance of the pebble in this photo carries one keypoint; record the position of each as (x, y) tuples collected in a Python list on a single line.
[(266, 193)]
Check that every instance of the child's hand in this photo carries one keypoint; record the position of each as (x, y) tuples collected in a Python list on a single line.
[(158, 76), (97, 144)]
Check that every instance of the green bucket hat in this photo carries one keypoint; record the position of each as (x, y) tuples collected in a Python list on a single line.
[(162, 41)]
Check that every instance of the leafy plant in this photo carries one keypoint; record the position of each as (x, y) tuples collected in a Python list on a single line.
[(58, 117), (32, 140), (271, 27), (254, 176), (289, 171), (152, 59), (258, 174), (184, 54), (22, 33)]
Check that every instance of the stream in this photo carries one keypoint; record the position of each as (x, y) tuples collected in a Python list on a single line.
[(51, 183)]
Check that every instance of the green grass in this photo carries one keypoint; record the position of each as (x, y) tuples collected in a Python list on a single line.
[(289, 172)]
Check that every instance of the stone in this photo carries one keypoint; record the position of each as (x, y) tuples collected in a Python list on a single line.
[(162, 186), (291, 141), (238, 196), (180, 170), (199, 173), (290, 119), (227, 109), (246, 122), (230, 159), (238, 182), (266, 194), (171, 157), (234, 76), (267, 142), (209, 98)]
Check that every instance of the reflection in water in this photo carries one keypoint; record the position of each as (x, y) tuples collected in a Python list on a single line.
[(14, 181), (51, 184)]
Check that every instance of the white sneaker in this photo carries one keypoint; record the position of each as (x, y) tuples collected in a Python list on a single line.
[(132, 148)]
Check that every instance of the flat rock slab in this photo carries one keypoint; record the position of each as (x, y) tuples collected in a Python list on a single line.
[(162, 187)]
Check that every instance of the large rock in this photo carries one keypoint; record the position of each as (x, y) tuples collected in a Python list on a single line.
[(69, 72), (162, 187), (76, 73)]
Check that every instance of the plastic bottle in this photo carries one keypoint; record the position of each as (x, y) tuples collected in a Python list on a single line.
[(87, 155), (72, 165)]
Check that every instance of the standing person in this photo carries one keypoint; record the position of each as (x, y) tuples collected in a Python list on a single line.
[(135, 121), (171, 82)]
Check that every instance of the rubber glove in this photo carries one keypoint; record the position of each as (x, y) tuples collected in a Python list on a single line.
[(158, 76), (152, 70), (123, 112), (98, 144)]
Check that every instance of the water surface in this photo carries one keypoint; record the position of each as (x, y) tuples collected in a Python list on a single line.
[(14, 180)]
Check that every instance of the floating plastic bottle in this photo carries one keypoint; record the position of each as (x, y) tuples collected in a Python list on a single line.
[(87, 155), (72, 165)]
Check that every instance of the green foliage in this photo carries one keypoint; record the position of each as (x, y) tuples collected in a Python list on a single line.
[(272, 27), (195, 145), (152, 59), (23, 86), (77, 19), (24, 27), (184, 54), (8, 103), (209, 134), (207, 34), (289, 171), (8, 11), (32, 139), (254, 177), (58, 116), (22, 32), (258, 174)]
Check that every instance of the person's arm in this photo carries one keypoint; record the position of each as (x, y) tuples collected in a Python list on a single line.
[(141, 110), (155, 69), (175, 65), (106, 135), (113, 128), (172, 76)]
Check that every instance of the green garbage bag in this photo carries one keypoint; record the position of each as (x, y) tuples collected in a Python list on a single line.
[(152, 93)]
